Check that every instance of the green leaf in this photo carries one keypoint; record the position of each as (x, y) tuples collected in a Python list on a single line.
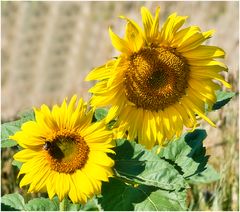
[(7, 130), (42, 204), (69, 206), (13, 201), (17, 163), (7, 208), (138, 165), (187, 153), (91, 205), (223, 98), (118, 196), (100, 114), (10, 128), (209, 175), (29, 115)]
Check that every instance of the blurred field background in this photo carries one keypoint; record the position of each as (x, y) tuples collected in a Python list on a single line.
[(49, 47)]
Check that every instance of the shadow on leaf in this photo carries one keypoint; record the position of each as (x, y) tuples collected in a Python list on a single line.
[(197, 153), (126, 160)]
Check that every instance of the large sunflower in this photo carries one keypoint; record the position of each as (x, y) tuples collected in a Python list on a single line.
[(64, 153), (161, 80)]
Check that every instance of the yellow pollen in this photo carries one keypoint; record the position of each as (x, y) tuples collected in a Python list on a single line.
[(155, 78), (66, 153)]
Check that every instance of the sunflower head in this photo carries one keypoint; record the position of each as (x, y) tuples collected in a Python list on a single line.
[(161, 80), (64, 153)]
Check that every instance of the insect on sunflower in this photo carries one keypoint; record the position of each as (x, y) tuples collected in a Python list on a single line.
[(161, 80), (64, 153)]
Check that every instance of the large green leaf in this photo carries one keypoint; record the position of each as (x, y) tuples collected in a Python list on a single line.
[(42, 204), (10, 128), (138, 165), (187, 153), (223, 98), (118, 196), (13, 202), (209, 175)]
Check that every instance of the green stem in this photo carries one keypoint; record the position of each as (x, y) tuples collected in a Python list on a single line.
[(62, 205)]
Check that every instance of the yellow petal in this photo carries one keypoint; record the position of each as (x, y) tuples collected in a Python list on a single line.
[(194, 41), (99, 88), (167, 29), (205, 85), (103, 147), (114, 112), (213, 68), (178, 22), (39, 180), (73, 191), (167, 124), (76, 193), (170, 27), (189, 111), (176, 120), (202, 94), (210, 75), (102, 72), (155, 27), (61, 185), (145, 136), (100, 158), (152, 126), (26, 141), (204, 52), (50, 186), (31, 170), (147, 20), (32, 165), (198, 110), (206, 62), (84, 183), (133, 125), (118, 43), (98, 136), (98, 172), (134, 35), (25, 155), (188, 122), (160, 131), (96, 184), (184, 34), (71, 105)]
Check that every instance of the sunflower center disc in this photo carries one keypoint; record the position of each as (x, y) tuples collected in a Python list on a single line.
[(67, 153), (155, 78)]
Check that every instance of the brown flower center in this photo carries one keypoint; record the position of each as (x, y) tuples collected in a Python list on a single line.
[(155, 78), (66, 153)]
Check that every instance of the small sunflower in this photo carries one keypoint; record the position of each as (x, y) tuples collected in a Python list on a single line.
[(161, 80), (64, 153)]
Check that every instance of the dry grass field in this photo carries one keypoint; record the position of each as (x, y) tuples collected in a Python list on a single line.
[(49, 47)]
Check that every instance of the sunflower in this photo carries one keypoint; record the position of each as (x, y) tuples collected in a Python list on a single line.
[(161, 81), (64, 153)]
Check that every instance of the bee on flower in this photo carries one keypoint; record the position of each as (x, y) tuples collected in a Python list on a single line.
[(64, 153)]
